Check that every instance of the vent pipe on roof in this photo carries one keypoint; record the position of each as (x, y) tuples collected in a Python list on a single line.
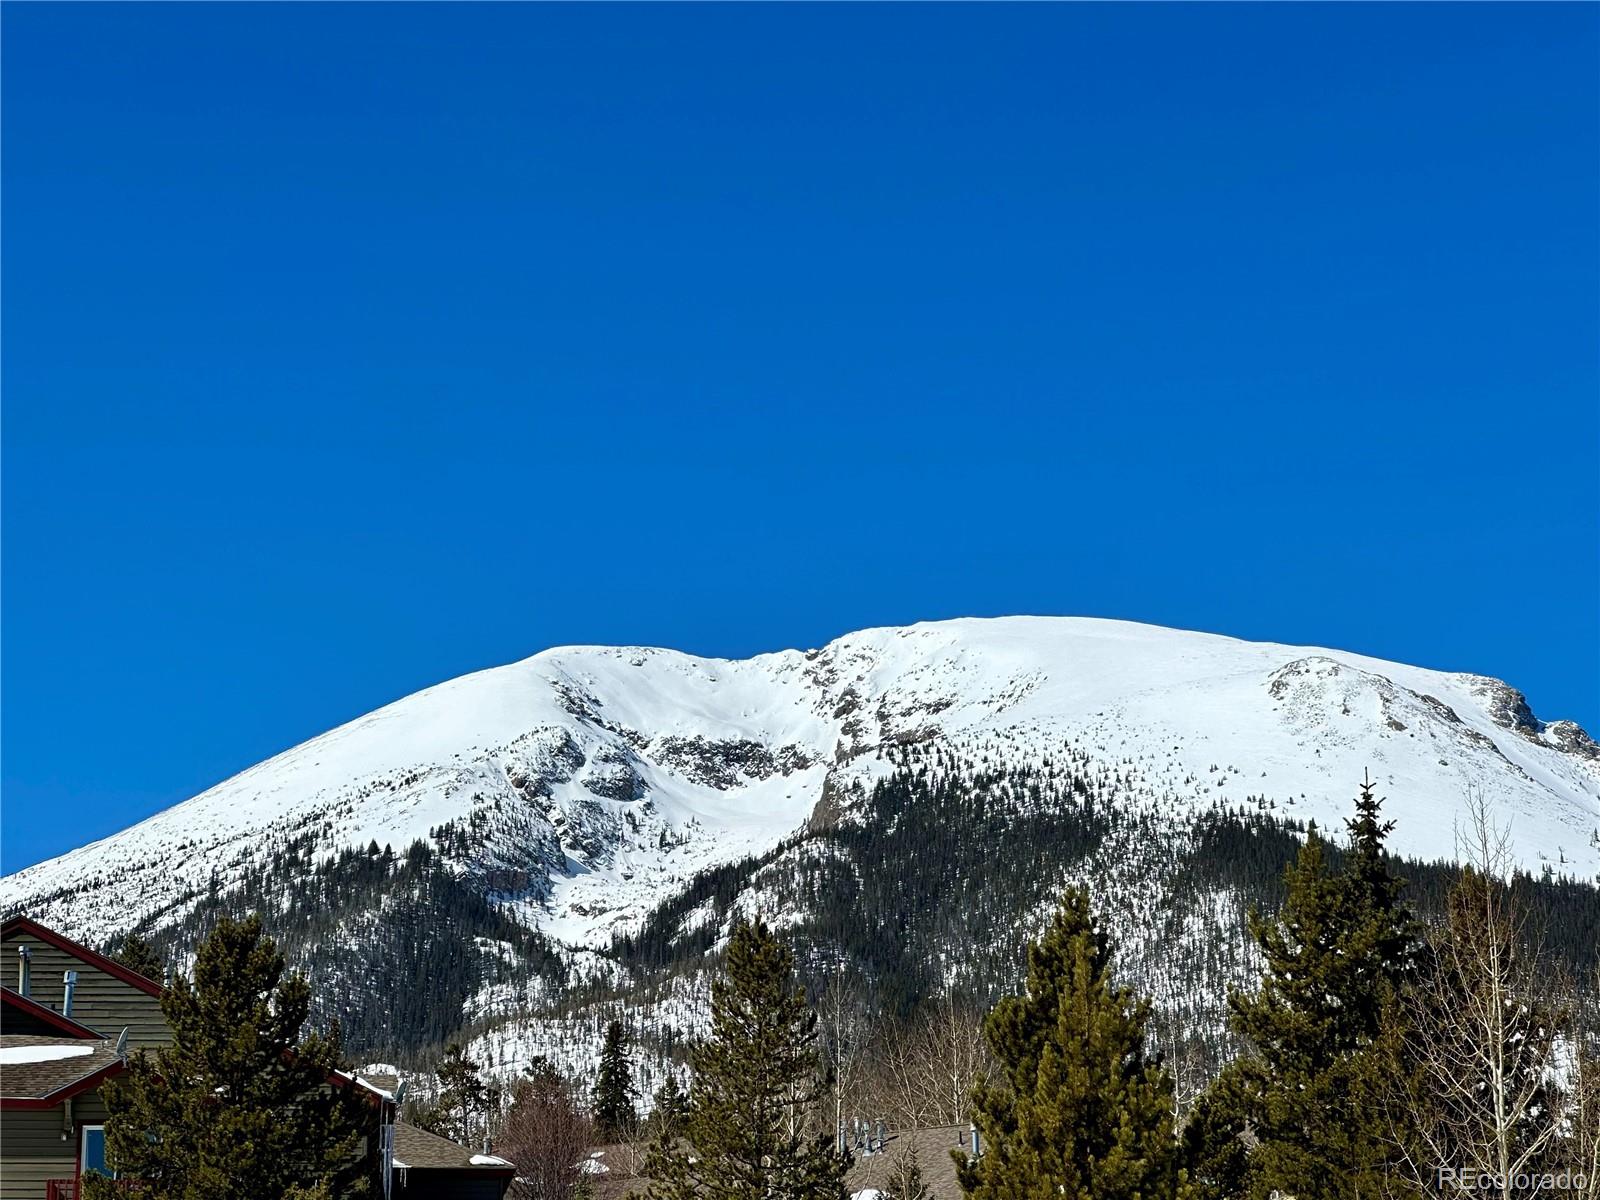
[(69, 985), (24, 970)]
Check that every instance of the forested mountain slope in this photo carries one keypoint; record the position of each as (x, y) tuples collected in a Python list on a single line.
[(530, 844)]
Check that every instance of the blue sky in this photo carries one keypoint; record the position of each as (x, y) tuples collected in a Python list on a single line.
[(352, 348)]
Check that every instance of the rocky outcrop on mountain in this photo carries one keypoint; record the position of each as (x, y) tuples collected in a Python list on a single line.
[(558, 803)]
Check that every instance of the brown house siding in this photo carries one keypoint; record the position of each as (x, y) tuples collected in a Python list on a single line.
[(101, 1000)]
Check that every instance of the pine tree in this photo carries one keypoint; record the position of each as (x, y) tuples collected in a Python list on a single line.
[(428, 1115), (461, 1090), (1391, 937), (1083, 1111), (749, 1133), (243, 1105), (138, 955), (1334, 959), (614, 1115)]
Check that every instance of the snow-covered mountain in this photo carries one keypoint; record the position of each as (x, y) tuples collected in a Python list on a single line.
[(518, 855), (594, 781)]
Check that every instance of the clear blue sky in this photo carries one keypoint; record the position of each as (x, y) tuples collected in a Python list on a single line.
[(351, 348)]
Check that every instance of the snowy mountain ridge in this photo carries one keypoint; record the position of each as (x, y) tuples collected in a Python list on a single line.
[(588, 783)]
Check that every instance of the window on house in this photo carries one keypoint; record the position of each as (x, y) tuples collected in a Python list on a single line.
[(93, 1153)]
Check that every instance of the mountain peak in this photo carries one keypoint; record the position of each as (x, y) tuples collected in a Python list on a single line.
[(601, 778)]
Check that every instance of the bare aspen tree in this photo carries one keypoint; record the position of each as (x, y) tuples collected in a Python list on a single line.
[(843, 1025), (547, 1138), (1191, 1074), (894, 1078), (925, 1072), (1481, 1037), (958, 1057)]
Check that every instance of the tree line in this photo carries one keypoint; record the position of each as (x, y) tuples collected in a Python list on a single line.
[(1380, 1053)]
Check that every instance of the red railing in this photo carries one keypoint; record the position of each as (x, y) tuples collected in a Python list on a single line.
[(60, 1189)]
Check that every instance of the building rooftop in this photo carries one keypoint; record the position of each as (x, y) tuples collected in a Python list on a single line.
[(44, 1068), (614, 1175), (417, 1149)]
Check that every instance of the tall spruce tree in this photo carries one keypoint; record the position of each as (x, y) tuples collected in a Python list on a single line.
[(243, 1105), (1084, 1111), (614, 1114), (1392, 942), (750, 1132), (1306, 1093)]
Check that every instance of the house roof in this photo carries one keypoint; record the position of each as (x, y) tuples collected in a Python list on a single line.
[(21, 924), (40, 1072), (930, 1147), (381, 1084), (418, 1150), (28, 1006)]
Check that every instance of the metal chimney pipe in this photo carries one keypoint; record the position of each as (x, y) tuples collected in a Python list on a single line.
[(977, 1146), (24, 970), (69, 985)]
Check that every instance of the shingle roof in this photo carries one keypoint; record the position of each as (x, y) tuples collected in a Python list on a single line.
[(417, 1149), (932, 1150), (930, 1146), (39, 1075), (379, 1082)]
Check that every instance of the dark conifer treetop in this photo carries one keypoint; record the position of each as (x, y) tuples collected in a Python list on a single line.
[(749, 1133), (137, 954), (1334, 958), (1084, 1110), (462, 1093), (614, 1114)]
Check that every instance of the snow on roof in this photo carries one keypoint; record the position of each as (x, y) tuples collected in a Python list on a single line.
[(376, 1088), (488, 1160), (11, 1055)]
